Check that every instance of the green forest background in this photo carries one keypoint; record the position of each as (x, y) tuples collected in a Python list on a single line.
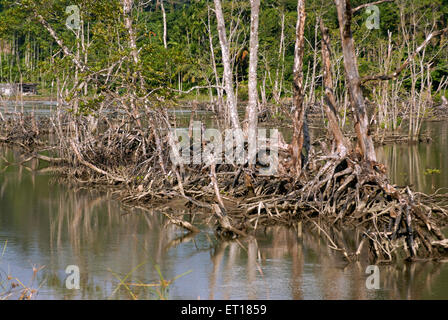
[(29, 53)]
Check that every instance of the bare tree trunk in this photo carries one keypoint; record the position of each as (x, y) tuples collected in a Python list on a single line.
[(164, 24), (330, 101), (84, 50), (252, 109), (77, 34), (365, 5), (277, 87), (228, 79), (298, 90), (59, 41), (410, 58), (215, 70), (127, 12), (365, 141), (313, 75)]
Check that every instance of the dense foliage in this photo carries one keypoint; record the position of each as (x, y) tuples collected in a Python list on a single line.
[(30, 54)]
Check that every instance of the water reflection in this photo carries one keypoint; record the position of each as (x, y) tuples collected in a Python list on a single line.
[(423, 165), (55, 225)]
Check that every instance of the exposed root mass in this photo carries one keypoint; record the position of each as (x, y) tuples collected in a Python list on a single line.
[(331, 193)]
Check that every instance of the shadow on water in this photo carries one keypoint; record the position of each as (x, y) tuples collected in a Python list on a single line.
[(54, 225)]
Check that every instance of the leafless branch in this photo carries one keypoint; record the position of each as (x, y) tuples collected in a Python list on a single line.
[(369, 4), (399, 70)]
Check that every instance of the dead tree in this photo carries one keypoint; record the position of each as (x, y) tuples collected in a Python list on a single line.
[(127, 6), (215, 70), (330, 100), (127, 13), (298, 90), (228, 77), (353, 80), (406, 63), (252, 109), (278, 82), (164, 24)]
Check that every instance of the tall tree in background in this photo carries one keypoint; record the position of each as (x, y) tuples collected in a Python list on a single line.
[(298, 90), (164, 24)]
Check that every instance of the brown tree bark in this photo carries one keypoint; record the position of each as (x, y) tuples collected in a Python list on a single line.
[(298, 90), (353, 80), (330, 101)]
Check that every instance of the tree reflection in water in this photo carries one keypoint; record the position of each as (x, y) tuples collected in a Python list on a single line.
[(56, 225)]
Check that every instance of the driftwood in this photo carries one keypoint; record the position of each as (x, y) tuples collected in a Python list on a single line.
[(182, 223)]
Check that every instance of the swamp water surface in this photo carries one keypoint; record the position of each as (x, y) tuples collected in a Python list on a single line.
[(46, 223)]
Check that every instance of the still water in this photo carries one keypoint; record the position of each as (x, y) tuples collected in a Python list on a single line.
[(50, 225)]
